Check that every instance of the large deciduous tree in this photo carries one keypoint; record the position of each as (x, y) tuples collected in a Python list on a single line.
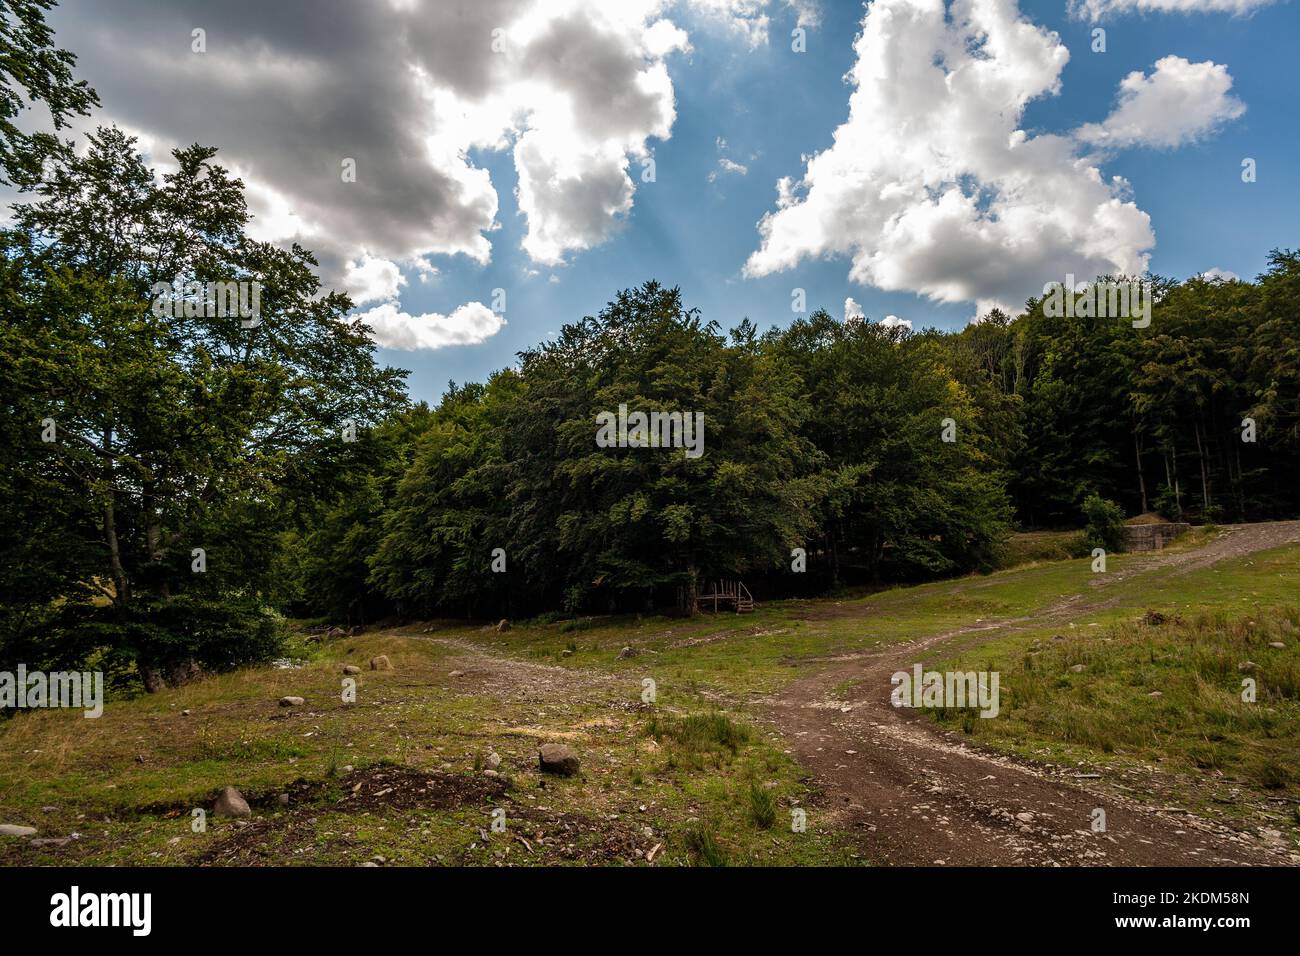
[(173, 421)]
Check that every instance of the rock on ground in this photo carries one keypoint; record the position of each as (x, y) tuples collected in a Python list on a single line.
[(381, 663), (557, 758), (14, 830), (231, 803)]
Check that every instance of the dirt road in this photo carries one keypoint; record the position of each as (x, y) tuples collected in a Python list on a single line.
[(919, 796)]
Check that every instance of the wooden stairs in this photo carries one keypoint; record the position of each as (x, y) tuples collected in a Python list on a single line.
[(731, 593)]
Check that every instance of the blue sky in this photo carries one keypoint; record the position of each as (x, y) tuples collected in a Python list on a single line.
[(772, 108)]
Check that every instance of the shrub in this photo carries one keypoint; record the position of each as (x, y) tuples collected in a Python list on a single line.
[(1105, 524), (1167, 505)]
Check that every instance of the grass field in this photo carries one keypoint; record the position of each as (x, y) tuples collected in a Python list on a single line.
[(696, 777)]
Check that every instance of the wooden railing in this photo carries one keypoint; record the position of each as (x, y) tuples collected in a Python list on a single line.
[(733, 593)]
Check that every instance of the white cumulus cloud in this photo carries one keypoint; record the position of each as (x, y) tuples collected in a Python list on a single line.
[(371, 279), (292, 91), (931, 186), (1096, 9), (468, 324), (1179, 102)]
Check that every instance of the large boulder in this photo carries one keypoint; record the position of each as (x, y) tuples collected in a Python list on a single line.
[(557, 758), (231, 803)]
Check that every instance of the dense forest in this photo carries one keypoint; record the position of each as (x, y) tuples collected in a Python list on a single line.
[(178, 482)]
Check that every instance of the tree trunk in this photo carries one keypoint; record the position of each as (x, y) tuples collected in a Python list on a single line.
[(835, 555), (1200, 453), (121, 586), (1178, 487), (1142, 484), (1241, 489)]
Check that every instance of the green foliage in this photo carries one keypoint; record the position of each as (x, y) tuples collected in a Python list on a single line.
[(1167, 504), (892, 497), (165, 639), (825, 437), (171, 433), (1104, 524), (700, 732), (1154, 417), (33, 70), (762, 806), (703, 846)]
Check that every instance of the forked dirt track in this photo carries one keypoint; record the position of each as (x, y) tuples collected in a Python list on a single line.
[(916, 795)]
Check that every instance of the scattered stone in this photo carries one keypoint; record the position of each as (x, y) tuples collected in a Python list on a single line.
[(493, 760), (1025, 817), (351, 669), (557, 758), (627, 652), (381, 663), (291, 702), (491, 773), (51, 841), (1078, 668), (502, 626), (14, 830), (1247, 667), (231, 803)]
